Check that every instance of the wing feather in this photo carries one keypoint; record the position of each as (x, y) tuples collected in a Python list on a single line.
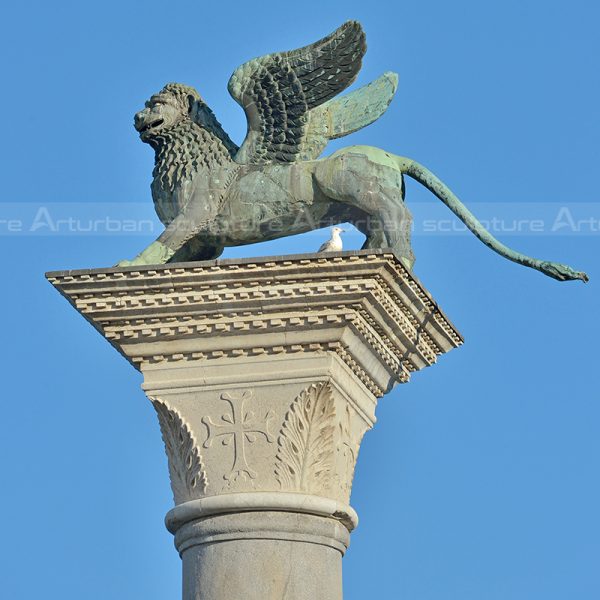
[(278, 91), (346, 114)]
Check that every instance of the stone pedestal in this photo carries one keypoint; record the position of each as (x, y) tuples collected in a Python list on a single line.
[(265, 375)]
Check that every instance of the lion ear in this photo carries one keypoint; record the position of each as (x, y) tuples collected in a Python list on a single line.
[(191, 101)]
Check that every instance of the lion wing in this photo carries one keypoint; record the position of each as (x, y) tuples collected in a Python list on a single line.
[(346, 114), (278, 92)]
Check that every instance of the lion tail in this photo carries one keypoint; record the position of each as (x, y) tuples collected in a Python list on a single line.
[(425, 177)]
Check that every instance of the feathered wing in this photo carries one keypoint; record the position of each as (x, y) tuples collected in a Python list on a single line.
[(278, 91), (346, 114)]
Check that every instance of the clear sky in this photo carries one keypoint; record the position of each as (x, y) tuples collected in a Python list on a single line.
[(480, 480)]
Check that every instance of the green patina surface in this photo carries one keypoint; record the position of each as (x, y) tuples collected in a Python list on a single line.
[(210, 193)]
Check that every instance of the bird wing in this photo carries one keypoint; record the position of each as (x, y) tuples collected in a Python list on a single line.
[(278, 91), (331, 245)]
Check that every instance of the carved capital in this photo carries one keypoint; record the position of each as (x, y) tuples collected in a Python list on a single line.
[(284, 437), (265, 373)]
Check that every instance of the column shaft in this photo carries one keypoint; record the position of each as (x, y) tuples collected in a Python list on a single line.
[(262, 556)]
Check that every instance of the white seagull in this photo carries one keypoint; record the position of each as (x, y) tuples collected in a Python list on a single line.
[(335, 243)]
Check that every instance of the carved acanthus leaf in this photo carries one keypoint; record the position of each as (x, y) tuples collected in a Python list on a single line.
[(186, 470), (304, 460), (349, 450)]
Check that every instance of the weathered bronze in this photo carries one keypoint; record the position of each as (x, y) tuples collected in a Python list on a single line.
[(210, 194)]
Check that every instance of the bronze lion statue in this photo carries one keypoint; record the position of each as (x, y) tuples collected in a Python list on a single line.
[(209, 193)]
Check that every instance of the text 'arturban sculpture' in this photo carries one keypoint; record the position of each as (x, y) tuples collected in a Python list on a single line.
[(210, 194)]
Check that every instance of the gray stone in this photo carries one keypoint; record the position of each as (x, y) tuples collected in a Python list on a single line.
[(264, 555), (265, 375)]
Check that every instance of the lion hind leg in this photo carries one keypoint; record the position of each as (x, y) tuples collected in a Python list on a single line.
[(376, 187)]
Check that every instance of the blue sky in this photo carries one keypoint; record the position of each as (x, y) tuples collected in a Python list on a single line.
[(480, 480)]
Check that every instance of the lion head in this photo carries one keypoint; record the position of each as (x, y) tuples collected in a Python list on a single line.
[(165, 110)]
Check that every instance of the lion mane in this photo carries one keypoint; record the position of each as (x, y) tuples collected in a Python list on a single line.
[(186, 149)]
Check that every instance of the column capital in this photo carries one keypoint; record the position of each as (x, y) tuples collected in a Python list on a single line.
[(260, 367)]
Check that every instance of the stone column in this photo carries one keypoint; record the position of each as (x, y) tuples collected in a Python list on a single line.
[(265, 375)]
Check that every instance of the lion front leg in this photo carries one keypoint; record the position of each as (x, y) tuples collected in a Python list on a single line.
[(155, 254), (181, 241)]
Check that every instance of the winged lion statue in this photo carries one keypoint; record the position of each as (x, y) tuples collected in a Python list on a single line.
[(209, 193)]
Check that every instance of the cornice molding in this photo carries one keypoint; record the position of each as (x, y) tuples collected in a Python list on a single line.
[(230, 308)]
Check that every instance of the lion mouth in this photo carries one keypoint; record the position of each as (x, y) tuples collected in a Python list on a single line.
[(151, 126)]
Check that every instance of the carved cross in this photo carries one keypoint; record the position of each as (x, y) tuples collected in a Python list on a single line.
[(239, 427)]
